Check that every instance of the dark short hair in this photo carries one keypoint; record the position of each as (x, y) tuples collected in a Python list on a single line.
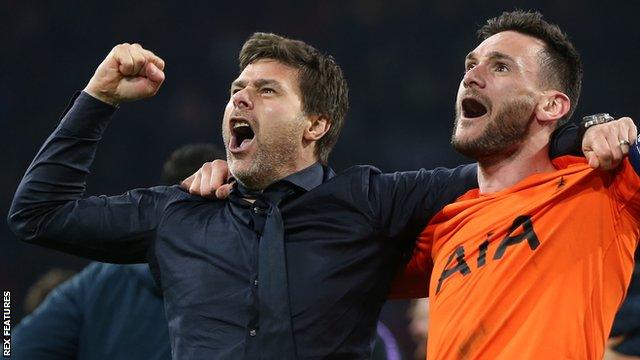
[(560, 62), (187, 159), (322, 85)]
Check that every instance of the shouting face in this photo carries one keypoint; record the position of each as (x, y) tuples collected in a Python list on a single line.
[(264, 123), (497, 96)]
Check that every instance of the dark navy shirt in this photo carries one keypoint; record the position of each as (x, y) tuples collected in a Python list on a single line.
[(345, 236)]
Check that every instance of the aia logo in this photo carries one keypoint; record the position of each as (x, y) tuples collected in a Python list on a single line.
[(461, 266)]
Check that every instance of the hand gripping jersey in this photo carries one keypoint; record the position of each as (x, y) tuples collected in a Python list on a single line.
[(536, 271)]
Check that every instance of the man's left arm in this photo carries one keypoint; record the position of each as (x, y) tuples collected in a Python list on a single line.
[(565, 140), (403, 204)]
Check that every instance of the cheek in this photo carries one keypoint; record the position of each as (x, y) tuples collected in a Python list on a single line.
[(227, 111), (272, 112), (277, 117), (460, 91), (227, 114), (270, 131), (279, 131)]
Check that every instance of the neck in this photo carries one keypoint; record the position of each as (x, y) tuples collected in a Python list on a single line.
[(532, 157), (306, 159), (270, 175)]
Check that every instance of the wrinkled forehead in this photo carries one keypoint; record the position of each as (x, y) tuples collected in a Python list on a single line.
[(269, 69), (524, 49)]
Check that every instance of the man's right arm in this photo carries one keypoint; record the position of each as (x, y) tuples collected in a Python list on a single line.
[(48, 208)]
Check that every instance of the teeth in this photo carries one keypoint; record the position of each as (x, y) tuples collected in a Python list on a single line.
[(239, 124)]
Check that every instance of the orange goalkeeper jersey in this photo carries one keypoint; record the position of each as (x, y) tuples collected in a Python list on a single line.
[(536, 271)]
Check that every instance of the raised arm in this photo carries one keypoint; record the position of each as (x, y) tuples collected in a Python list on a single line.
[(48, 208)]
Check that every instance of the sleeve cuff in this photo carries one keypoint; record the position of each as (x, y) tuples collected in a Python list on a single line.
[(86, 116)]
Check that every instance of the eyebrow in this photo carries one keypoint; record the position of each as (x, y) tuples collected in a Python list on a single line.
[(494, 55), (258, 83)]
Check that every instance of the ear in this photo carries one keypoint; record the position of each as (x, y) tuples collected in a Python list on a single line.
[(553, 106), (318, 126)]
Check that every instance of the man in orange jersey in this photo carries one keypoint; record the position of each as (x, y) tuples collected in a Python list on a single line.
[(534, 263)]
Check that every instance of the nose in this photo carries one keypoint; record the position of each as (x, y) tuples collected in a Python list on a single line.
[(242, 99), (475, 77)]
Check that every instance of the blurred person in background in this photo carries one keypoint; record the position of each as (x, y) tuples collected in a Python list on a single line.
[(385, 347), (43, 286), (107, 311), (186, 159), (418, 315), (624, 342)]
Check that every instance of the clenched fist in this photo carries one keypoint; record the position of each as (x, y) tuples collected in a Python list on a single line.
[(128, 73), (605, 145)]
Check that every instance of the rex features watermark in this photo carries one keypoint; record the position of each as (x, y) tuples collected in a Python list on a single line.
[(6, 323)]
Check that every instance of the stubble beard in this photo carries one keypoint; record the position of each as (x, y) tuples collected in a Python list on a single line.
[(274, 159), (500, 138)]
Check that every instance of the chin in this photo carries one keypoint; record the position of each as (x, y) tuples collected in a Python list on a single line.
[(463, 137), (236, 168), (470, 131), (249, 175)]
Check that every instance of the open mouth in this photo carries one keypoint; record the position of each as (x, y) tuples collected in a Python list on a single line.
[(472, 108), (241, 135)]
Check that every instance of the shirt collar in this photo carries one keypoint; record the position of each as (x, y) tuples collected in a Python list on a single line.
[(306, 179)]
